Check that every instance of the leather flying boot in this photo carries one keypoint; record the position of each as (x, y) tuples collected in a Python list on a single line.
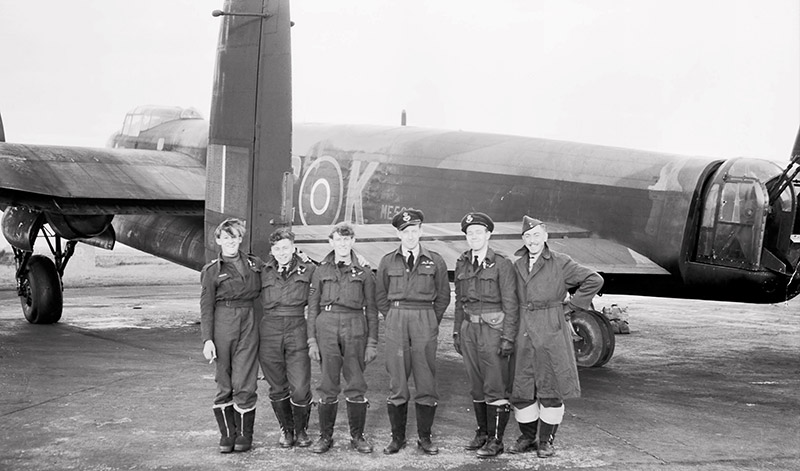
[(357, 417), (498, 419), (547, 433), (425, 415), (527, 441), (283, 412), (327, 419), (227, 427), (480, 433), (245, 420), (398, 415), (301, 414)]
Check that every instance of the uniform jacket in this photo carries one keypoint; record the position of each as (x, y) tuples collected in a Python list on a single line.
[(494, 282), (541, 292), (293, 291), (426, 282), (351, 287), (221, 281)]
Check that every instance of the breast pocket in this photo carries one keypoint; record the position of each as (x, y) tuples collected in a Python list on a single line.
[(397, 282), (327, 287), (353, 295), (488, 284), (425, 279), (298, 289), (270, 292)]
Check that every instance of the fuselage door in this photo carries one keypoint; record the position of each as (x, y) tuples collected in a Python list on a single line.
[(734, 216)]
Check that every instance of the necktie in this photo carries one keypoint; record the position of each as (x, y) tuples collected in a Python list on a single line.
[(340, 265), (410, 260), (282, 272), (475, 262)]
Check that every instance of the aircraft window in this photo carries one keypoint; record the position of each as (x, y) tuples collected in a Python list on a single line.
[(136, 125), (736, 240), (786, 200), (758, 169), (126, 126), (709, 209)]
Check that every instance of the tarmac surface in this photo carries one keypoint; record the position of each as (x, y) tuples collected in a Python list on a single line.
[(120, 383)]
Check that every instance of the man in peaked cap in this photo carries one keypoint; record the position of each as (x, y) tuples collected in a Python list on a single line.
[(412, 291), (543, 280), (484, 330)]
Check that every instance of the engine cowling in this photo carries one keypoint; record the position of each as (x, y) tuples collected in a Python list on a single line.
[(78, 227)]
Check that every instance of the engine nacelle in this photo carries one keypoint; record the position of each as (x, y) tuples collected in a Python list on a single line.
[(78, 227), (21, 226)]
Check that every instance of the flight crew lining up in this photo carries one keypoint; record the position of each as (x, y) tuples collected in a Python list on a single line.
[(511, 326)]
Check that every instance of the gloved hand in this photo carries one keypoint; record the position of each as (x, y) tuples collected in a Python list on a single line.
[(372, 350), (313, 350), (210, 350), (457, 342), (506, 348)]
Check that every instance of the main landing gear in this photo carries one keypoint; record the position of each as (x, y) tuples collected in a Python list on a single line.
[(593, 338), (39, 280)]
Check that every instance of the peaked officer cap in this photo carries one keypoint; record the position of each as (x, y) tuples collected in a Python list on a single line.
[(529, 223), (406, 218), (477, 218)]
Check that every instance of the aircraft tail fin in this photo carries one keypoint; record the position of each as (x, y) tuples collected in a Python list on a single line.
[(249, 143)]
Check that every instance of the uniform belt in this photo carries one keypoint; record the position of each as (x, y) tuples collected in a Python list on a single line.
[(235, 303), (293, 311), (478, 308), (412, 304), (337, 309), (533, 305)]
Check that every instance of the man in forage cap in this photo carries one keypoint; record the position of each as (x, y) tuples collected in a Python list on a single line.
[(544, 340)]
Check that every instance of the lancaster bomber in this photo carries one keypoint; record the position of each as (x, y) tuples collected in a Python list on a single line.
[(652, 224)]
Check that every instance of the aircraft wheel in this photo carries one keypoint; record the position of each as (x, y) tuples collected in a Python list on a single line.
[(592, 346), (609, 339), (43, 300)]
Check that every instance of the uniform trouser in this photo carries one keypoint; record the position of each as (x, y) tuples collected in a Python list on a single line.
[(283, 355), (411, 341), (342, 340), (236, 341), (487, 371)]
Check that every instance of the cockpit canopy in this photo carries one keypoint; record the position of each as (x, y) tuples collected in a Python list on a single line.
[(146, 117)]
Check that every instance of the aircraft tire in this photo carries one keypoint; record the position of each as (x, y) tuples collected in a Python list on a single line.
[(44, 300), (609, 339), (590, 349)]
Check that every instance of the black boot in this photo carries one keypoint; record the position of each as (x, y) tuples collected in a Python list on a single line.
[(425, 415), (244, 427), (481, 432), (283, 412), (547, 433), (527, 441), (227, 427), (327, 419), (357, 417), (398, 416), (301, 414), (498, 419)]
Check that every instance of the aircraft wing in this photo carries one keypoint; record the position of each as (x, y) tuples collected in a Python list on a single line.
[(74, 180), (373, 241)]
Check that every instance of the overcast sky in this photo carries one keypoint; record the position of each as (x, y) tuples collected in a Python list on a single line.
[(714, 77)]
